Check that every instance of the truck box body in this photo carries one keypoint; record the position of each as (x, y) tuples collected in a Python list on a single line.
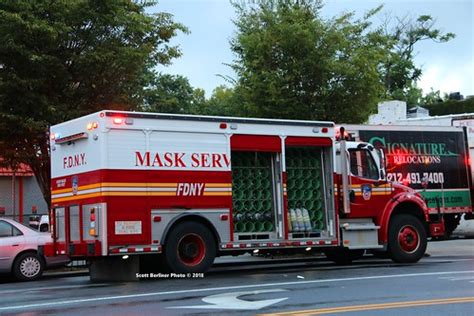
[(459, 120), (439, 155)]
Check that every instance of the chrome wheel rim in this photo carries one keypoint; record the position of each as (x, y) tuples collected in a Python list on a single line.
[(30, 267)]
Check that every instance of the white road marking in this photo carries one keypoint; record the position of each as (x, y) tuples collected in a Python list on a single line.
[(435, 260), (225, 288), (58, 287), (459, 278), (232, 301)]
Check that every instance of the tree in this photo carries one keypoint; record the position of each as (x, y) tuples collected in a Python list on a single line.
[(399, 72), (173, 94), (291, 63), (432, 97), (63, 59), (223, 101)]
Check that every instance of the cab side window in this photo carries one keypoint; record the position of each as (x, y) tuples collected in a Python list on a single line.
[(8, 230), (362, 164)]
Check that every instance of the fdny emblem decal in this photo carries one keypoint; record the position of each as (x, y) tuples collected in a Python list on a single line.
[(75, 185), (366, 191)]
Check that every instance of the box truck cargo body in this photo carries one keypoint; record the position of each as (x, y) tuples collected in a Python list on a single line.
[(435, 161)]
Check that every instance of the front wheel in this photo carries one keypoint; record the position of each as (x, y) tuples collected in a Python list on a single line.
[(190, 247), (406, 239), (28, 267)]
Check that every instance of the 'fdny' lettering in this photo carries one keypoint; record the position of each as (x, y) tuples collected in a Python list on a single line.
[(74, 161), (190, 189)]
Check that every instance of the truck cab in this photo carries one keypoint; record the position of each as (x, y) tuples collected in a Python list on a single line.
[(391, 216)]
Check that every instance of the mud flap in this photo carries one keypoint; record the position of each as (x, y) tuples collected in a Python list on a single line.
[(437, 229)]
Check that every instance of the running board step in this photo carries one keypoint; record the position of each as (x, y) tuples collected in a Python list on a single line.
[(360, 234)]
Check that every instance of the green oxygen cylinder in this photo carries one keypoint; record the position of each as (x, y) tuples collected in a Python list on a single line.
[(268, 226), (249, 227)]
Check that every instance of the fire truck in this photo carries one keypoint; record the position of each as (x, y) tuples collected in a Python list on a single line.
[(435, 161), (176, 191)]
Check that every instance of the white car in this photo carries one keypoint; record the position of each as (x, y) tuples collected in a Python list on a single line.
[(19, 253), (39, 223)]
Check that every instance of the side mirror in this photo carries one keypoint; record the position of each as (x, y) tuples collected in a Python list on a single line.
[(382, 174), (382, 162), (352, 196)]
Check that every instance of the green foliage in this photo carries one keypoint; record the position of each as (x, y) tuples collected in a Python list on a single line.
[(431, 97), (451, 107), (173, 94), (63, 59), (399, 72), (291, 63), (223, 101)]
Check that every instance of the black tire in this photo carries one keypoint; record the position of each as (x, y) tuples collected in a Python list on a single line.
[(406, 239), (28, 267), (451, 222), (190, 247), (343, 256)]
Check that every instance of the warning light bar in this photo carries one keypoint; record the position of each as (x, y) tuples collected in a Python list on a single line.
[(122, 120), (55, 136), (71, 138)]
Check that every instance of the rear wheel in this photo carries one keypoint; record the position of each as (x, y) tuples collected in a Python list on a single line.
[(406, 239), (28, 267), (190, 247)]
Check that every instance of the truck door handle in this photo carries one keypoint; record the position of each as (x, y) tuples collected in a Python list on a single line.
[(15, 245), (352, 196)]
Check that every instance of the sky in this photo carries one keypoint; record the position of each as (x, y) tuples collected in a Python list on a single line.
[(448, 67)]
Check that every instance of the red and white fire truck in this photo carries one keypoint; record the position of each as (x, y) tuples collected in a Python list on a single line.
[(184, 189)]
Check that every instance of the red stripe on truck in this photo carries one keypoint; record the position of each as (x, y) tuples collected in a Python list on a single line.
[(255, 143), (308, 141)]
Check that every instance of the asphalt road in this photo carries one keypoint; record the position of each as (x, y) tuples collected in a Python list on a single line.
[(441, 284)]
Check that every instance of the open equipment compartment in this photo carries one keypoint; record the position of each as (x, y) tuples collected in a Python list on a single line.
[(253, 194), (304, 187)]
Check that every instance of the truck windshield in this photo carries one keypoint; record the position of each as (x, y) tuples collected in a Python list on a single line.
[(362, 164)]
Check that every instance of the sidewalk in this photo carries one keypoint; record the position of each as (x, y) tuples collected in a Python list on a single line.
[(454, 247), (465, 228)]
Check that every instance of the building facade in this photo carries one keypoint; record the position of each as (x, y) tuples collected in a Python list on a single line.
[(20, 194)]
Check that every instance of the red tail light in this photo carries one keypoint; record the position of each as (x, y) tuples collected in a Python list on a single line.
[(92, 227)]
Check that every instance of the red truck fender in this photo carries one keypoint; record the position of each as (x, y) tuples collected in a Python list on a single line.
[(412, 199)]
